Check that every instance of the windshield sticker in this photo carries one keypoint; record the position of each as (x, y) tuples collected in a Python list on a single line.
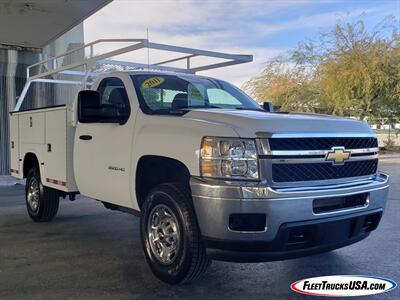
[(152, 82), (195, 97)]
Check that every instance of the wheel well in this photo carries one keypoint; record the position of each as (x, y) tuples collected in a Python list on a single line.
[(30, 161), (153, 170)]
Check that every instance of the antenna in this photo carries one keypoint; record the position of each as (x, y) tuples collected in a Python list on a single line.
[(148, 51)]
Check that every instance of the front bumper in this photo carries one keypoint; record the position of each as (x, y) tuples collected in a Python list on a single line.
[(286, 209)]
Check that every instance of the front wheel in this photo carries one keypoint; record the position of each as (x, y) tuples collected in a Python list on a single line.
[(41, 202), (170, 235)]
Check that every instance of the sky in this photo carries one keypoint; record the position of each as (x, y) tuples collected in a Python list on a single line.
[(261, 28)]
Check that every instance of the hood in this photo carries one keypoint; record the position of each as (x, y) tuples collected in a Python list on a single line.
[(249, 123)]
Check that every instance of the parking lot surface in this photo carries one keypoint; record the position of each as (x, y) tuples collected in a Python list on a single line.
[(89, 252)]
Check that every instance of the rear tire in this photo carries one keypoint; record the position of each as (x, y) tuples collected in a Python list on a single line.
[(168, 223), (41, 202)]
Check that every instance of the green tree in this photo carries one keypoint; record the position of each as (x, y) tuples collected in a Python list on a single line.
[(347, 71)]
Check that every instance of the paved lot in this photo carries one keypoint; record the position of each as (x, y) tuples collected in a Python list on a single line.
[(89, 252)]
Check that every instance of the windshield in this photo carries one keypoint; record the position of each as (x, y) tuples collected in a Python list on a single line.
[(171, 94)]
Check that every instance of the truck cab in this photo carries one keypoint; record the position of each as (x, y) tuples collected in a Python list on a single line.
[(211, 174)]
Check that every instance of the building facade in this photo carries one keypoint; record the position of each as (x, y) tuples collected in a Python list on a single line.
[(13, 63)]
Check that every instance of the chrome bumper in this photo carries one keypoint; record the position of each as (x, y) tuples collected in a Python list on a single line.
[(215, 201)]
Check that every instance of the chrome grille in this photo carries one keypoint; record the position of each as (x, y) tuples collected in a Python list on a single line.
[(291, 159)]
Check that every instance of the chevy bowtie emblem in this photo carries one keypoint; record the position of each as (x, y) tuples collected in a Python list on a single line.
[(338, 155)]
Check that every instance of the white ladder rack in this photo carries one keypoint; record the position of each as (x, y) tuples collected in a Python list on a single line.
[(48, 67), (136, 44)]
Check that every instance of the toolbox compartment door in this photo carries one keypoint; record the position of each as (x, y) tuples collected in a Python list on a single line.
[(14, 147)]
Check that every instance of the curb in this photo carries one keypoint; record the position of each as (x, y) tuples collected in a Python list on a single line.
[(10, 181)]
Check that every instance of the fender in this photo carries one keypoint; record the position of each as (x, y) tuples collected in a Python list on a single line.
[(172, 137)]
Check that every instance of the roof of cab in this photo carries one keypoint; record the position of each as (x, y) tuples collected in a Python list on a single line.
[(155, 72)]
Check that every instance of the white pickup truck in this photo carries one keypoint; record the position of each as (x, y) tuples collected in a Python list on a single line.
[(211, 174)]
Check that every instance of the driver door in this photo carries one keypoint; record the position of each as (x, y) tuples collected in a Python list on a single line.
[(102, 150)]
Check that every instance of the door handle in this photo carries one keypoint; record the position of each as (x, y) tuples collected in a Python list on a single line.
[(85, 137)]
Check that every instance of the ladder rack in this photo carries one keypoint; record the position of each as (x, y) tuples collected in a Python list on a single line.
[(49, 68), (137, 44)]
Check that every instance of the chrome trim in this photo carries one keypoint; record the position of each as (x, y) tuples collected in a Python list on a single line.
[(382, 181), (319, 134), (295, 160), (367, 190), (354, 183), (321, 182), (263, 147), (225, 190), (314, 152)]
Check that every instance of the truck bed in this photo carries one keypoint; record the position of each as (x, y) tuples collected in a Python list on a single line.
[(49, 135)]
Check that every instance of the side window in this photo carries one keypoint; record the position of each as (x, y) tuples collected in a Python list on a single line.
[(218, 96), (112, 92)]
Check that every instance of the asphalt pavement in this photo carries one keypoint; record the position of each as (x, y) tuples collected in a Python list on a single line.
[(89, 252)]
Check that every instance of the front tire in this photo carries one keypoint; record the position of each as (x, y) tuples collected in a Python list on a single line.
[(170, 235), (41, 202)]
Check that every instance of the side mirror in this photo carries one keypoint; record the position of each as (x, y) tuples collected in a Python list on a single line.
[(267, 106), (90, 110)]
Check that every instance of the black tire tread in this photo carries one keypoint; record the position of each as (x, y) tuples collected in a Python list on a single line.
[(200, 261), (50, 199)]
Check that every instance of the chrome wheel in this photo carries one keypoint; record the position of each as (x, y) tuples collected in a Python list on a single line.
[(33, 194), (163, 234)]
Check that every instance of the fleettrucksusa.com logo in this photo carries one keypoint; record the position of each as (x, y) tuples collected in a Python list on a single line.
[(343, 286)]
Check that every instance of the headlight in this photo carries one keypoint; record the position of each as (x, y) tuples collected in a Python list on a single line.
[(228, 158)]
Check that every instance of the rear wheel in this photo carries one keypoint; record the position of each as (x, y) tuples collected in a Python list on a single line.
[(170, 235), (41, 202)]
